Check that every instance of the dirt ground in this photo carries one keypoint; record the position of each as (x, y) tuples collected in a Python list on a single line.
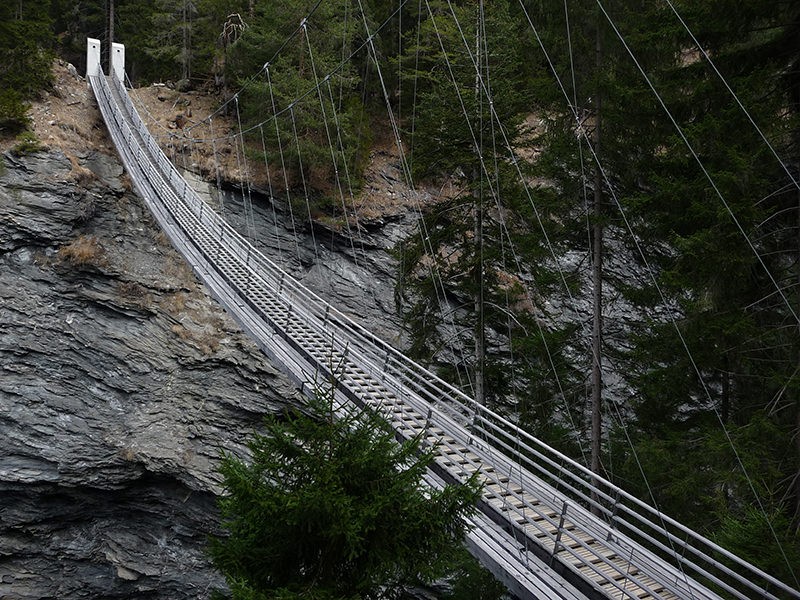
[(67, 118)]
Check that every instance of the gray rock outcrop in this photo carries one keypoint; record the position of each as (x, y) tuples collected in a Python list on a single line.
[(121, 382)]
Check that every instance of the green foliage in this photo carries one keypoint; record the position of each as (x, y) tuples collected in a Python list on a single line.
[(334, 507), (730, 356), (13, 112), (470, 581), (752, 536), (75, 20), (26, 143), (25, 45), (314, 130), (469, 102)]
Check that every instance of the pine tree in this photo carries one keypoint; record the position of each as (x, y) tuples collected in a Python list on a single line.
[(460, 71), (333, 507), (26, 43)]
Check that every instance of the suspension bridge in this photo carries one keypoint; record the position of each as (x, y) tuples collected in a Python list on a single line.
[(547, 527)]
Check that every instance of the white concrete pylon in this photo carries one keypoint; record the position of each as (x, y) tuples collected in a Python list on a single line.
[(92, 58), (118, 61)]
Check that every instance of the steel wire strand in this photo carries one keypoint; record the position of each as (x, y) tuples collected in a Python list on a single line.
[(271, 196), (303, 179), (255, 76), (249, 213), (669, 310), (365, 44), (477, 144), (697, 159), (734, 95), (438, 283), (749, 243), (334, 162), (283, 167), (503, 224)]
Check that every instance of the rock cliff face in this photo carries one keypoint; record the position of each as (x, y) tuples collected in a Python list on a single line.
[(121, 382)]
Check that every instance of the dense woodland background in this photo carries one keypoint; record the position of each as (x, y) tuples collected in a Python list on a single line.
[(681, 189)]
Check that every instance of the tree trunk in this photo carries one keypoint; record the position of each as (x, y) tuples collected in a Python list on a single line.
[(185, 31), (597, 294), (480, 338), (110, 36), (597, 283), (796, 432)]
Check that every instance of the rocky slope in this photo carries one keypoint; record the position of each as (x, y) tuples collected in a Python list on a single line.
[(121, 382)]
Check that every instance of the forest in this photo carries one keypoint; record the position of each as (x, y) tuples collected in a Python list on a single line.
[(618, 267)]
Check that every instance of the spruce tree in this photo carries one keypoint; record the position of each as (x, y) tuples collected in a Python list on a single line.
[(26, 43), (458, 282), (332, 506)]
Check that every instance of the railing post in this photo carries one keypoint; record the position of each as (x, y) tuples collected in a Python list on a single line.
[(288, 316), (613, 518), (560, 530)]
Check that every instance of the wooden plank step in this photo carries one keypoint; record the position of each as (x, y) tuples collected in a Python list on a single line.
[(654, 585), (539, 514), (539, 529), (574, 539), (499, 487), (630, 590), (602, 572), (580, 557), (512, 502), (459, 460)]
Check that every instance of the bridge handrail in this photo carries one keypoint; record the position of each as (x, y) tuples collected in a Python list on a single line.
[(591, 490)]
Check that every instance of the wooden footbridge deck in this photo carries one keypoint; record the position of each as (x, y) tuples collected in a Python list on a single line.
[(546, 526)]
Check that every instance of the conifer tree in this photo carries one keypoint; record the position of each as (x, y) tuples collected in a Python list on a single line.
[(460, 70), (717, 369), (726, 365), (331, 506), (26, 43), (297, 83)]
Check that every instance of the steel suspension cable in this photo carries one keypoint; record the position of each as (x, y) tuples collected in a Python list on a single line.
[(217, 176), (271, 196), (517, 260), (303, 179), (334, 161), (283, 167), (249, 213), (257, 75), (439, 288)]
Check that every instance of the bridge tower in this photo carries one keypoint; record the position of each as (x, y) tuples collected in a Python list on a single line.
[(93, 49), (92, 58), (118, 61)]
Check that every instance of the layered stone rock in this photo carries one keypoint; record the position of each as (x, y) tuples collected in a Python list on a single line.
[(121, 383)]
